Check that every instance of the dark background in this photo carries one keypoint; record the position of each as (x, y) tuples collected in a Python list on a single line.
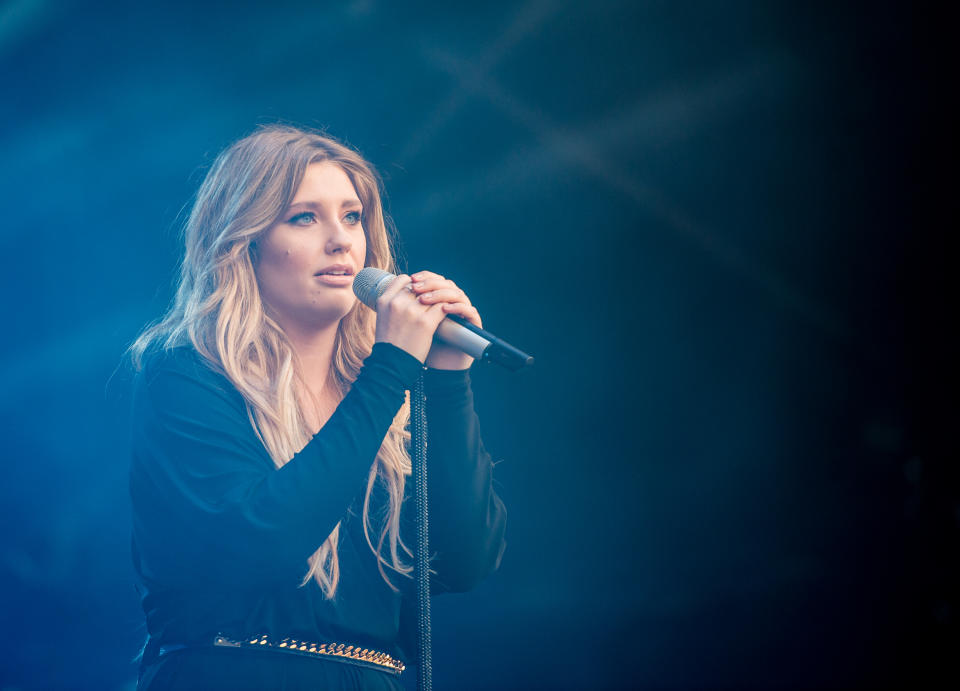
[(722, 228)]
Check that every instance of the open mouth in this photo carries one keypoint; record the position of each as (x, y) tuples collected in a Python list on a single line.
[(335, 270), (335, 277)]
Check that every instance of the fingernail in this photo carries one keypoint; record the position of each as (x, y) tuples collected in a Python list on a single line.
[(418, 284), (416, 277)]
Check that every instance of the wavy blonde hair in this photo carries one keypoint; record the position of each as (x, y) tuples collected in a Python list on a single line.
[(218, 309)]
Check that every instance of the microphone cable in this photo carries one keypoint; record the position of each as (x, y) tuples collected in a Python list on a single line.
[(418, 443)]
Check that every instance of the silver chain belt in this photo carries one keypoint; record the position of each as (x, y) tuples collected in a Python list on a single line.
[(338, 651)]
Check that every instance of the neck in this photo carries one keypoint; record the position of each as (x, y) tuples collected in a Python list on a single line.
[(314, 349)]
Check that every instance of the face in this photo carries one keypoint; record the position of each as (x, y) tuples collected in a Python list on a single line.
[(306, 262)]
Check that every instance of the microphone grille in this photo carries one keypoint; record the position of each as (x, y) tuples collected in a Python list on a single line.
[(369, 284)]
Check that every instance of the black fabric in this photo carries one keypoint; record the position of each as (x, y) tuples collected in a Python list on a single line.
[(221, 536), (200, 669)]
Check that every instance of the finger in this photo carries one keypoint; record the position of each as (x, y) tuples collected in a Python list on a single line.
[(435, 314), (426, 276), (430, 286), (398, 284), (444, 295), (468, 312), (432, 283)]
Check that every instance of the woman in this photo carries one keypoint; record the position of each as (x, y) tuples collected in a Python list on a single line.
[(270, 435)]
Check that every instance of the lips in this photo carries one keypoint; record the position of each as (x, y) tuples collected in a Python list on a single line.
[(336, 275), (335, 270)]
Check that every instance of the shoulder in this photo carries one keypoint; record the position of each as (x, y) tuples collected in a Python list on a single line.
[(181, 376)]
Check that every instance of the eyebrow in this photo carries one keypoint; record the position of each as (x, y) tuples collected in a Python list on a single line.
[(346, 203)]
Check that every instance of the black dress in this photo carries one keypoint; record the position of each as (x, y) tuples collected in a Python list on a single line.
[(221, 536)]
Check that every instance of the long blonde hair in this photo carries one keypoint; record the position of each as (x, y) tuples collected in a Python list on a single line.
[(218, 309)]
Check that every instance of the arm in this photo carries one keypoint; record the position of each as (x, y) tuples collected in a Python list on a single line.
[(467, 518), (210, 505)]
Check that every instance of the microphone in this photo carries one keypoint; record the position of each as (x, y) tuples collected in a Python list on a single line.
[(370, 283)]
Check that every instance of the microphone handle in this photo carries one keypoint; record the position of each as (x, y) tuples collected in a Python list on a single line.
[(482, 344), (370, 284)]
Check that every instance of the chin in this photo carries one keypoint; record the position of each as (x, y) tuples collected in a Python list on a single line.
[(332, 313)]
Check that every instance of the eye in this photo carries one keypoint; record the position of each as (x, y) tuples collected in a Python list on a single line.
[(353, 218), (303, 219)]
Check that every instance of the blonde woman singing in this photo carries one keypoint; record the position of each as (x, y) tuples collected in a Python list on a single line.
[(271, 521)]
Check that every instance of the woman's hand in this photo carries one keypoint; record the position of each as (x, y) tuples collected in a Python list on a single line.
[(405, 321), (432, 289), (410, 310)]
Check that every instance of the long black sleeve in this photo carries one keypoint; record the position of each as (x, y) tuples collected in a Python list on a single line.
[(227, 512), (468, 519)]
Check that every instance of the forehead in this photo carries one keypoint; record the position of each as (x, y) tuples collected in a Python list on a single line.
[(325, 183)]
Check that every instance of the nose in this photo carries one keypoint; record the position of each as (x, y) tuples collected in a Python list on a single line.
[(339, 240)]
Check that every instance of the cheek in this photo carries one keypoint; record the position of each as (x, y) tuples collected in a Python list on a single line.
[(360, 250), (280, 267), (286, 255)]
